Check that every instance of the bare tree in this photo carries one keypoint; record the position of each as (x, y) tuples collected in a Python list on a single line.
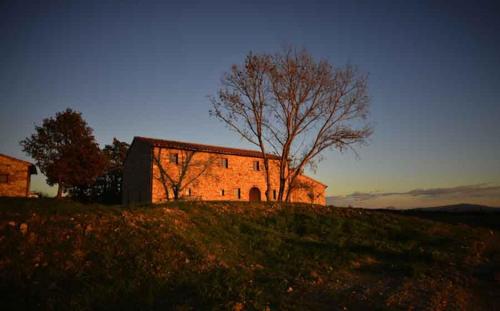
[(241, 104), (315, 107), (185, 172), (303, 107)]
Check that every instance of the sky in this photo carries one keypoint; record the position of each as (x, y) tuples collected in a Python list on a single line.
[(145, 68)]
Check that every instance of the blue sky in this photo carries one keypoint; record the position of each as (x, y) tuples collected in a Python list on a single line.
[(145, 69)]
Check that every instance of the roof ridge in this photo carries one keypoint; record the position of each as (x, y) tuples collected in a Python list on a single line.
[(313, 179), (204, 147)]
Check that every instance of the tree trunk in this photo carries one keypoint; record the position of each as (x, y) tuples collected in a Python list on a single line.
[(176, 193), (281, 189), (291, 183), (268, 180), (59, 191), (283, 169), (167, 196)]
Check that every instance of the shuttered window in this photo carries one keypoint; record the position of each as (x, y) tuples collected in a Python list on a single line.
[(174, 158), (256, 166)]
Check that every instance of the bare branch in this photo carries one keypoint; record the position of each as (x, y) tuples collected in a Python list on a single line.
[(295, 106)]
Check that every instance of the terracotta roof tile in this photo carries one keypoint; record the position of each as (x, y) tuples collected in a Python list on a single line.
[(200, 147)]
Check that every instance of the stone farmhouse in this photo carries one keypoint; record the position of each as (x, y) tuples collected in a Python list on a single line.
[(208, 173), (15, 176)]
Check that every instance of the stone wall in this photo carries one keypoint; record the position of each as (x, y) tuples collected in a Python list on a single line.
[(217, 182), (308, 190), (15, 177)]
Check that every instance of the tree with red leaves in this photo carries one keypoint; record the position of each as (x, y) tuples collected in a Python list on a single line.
[(65, 150), (107, 188)]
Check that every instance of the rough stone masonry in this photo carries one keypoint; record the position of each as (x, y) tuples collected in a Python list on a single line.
[(217, 173)]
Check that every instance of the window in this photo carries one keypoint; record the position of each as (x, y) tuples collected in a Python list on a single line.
[(174, 158), (237, 193), (256, 166), (4, 178), (188, 192), (225, 163), (274, 194), (222, 192)]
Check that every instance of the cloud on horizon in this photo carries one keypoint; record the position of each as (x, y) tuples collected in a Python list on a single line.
[(478, 193)]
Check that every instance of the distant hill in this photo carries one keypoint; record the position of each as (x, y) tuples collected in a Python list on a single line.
[(458, 208), (329, 201), (452, 208)]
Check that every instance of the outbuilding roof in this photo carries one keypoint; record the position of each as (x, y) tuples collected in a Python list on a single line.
[(32, 167), (205, 148)]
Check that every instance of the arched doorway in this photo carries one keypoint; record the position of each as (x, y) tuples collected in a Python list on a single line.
[(254, 194)]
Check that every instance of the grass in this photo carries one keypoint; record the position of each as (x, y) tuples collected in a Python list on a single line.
[(221, 255)]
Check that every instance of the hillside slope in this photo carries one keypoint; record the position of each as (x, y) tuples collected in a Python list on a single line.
[(220, 255)]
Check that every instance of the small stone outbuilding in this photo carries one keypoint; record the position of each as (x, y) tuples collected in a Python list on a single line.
[(15, 176), (217, 173)]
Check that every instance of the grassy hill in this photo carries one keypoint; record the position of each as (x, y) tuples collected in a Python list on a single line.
[(240, 256)]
